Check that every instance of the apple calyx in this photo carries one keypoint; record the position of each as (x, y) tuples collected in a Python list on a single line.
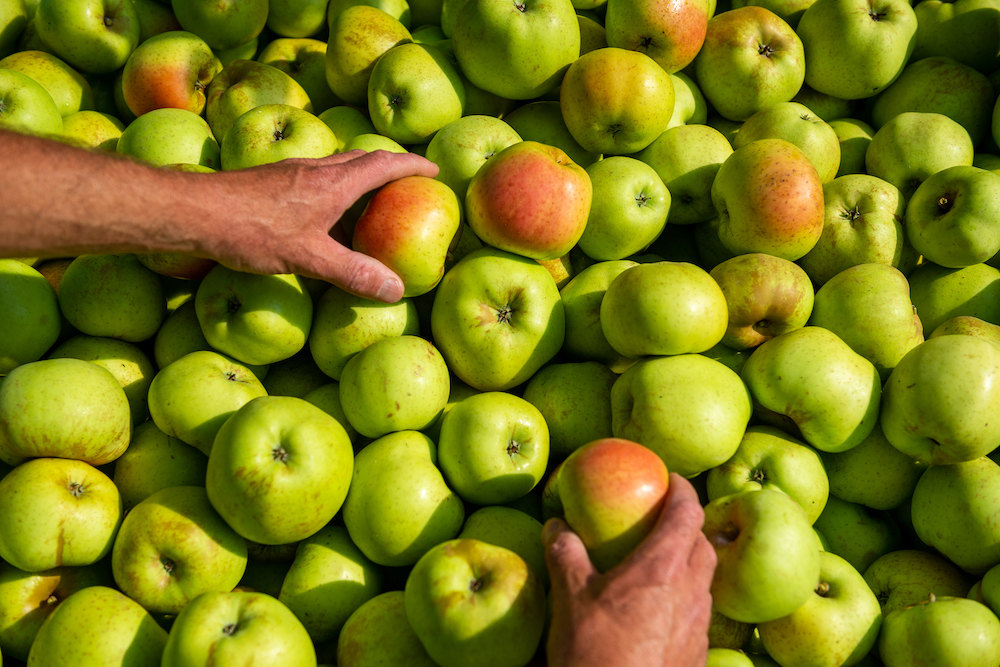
[(279, 454), (765, 50), (758, 475), (75, 489), (229, 630), (475, 585), (521, 7), (51, 600), (851, 214), (168, 565), (876, 16), (505, 314)]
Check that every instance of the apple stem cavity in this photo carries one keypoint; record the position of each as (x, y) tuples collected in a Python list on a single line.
[(758, 476), (876, 16), (521, 7), (52, 599)]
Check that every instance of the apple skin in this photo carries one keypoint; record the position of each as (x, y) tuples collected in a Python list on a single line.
[(170, 136), (28, 107), (907, 577), (939, 293), (511, 529), (470, 602), (965, 30), (796, 123), (786, 219), (410, 225), (177, 265), (946, 630), (461, 147), (274, 132), (224, 24), (379, 634), (304, 60), (154, 461), (95, 36), (69, 90), (671, 33), (30, 320), (172, 69), (530, 199), (359, 36)]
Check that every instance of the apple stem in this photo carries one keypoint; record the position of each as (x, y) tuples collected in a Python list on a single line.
[(108, 21), (945, 203), (52, 599), (822, 589)]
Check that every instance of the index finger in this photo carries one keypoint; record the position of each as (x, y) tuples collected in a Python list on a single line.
[(375, 169)]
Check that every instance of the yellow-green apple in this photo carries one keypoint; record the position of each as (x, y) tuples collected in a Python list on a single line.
[(126, 361), (812, 381), (395, 384), (179, 334), (172, 547), (789, 10), (297, 18), (304, 60), (470, 602), (769, 458), (268, 458), (346, 123), (940, 294), (359, 36), (856, 533), (170, 136), (256, 319), (854, 136), (30, 320), (908, 576), (610, 492), (372, 142), (837, 625), (462, 146), (224, 24), (497, 318), (970, 326), (690, 107), (687, 159), (237, 627), (862, 225), (245, 51), (449, 15), (192, 397), (530, 199), (825, 106), (784, 215), (575, 400), (177, 265), (873, 473), (854, 50), (154, 17), (295, 376), (542, 121), (413, 92), (13, 20), (247, 84), (27, 106), (94, 129), (868, 306), (768, 556), (750, 60), (582, 297), (95, 36), (69, 90), (71, 633), (378, 634), (689, 409), (398, 505), (57, 512), (621, 114), (512, 529), (344, 324), (154, 461), (533, 45), (410, 225), (328, 561), (398, 9), (68, 408), (795, 123), (946, 630), (274, 132), (172, 69), (939, 401), (671, 33), (27, 599), (964, 30), (628, 210), (493, 447), (663, 308), (592, 34), (766, 296), (727, 657), (913, 145)]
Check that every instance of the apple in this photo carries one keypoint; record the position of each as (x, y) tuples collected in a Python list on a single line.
[(669, 33), (948, 630), (13, 20), (95, 36), (542, 121), (30, 320), (858, 534), (172, 69), (939, 293), (378, 634), (304, 60), (462, 146), (170, 136), (908, 576), (300, 18), (155, 17), (346, 122), (224, 24), (359, 36), (69, 90), (247, 84), (795, 123), (512, 529), (175, 264), (962, 30), (154, 461), (854, 136), (27, 106), (274, 132)]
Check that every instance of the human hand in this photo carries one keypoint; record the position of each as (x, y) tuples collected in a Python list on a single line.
[(297, 204), (651, 610)]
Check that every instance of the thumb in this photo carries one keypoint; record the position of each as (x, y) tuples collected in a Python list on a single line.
[(567, 559)]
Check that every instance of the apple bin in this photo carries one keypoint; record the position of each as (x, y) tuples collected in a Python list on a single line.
[(755, 246)]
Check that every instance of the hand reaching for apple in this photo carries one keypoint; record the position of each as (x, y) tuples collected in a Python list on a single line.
[(652, 610)]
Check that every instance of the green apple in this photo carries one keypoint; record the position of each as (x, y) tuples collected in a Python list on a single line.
[(230, 628), (727, 657), (533, 46), (181, 64), (69, 90), (274, 132), (724, 632), (670, 36), (690, 107), (30, 320), (825, 106), (295, 376), (768, 458), (947, 630), (379, 634), (689, 409), (854, 50), (95, 36), (247, 84), (13, 19), (470, 602), (462, 146), (94, 129), (854, 136), (328, 580), (575, 401), (170, 136), (172, 547), (628, 210), (192, 397), (155, 17), (359, 36), (940, 294), (26, 106), (256, 319), (963, 30), (398, 505), (298, 18), (67, 408), (71, 634), (154, 461), (344, 324), (906, 577), (811, 380), (856, 533), (768, 560), (327, 399), (751, 59), (969, 326), (511, 529), (582, 297), (395, 384), (497, 318), (795, 123), (304, 60), (268, 458), (542, 121), (398, 9), (346, 123), (371, 143), (57, 512), (224, 24), (663, 308), (493, 447)]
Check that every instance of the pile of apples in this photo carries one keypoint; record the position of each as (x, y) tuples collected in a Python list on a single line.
[(755, 245)]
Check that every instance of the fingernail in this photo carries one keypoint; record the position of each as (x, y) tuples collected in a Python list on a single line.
[(391, 291), (551, 530)]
